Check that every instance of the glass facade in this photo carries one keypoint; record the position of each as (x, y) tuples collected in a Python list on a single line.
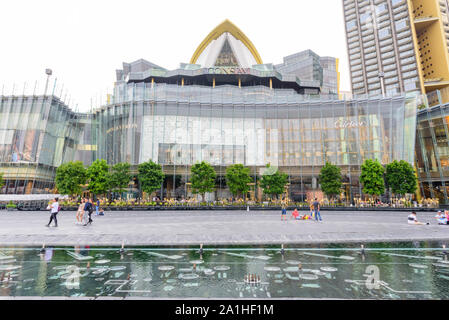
[(37, 134), (432, 152), (178, 126)]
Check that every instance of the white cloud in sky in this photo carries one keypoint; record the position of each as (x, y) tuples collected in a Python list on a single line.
[(84, 42)]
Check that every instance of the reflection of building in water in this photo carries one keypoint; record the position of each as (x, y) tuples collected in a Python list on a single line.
[(224, 107)]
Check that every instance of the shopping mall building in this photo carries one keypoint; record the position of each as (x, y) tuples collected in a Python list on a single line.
[(224, 107)]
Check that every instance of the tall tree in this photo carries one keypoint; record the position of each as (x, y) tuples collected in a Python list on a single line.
[(150, 176), (330, 180), (119, 177), (237, 179), (400, 177), (98, 177), (273, 182), (202, 179), (372, 177), (70, 177)]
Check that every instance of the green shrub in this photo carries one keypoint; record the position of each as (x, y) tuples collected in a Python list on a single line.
[(11, 205)]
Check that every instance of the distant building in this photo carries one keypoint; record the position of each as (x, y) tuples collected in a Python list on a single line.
[(307, 65)]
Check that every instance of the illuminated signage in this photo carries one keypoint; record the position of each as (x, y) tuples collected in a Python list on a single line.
[(342, 124), (229, 70)]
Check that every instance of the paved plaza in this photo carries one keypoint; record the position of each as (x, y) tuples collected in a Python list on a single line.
[(213, 228)]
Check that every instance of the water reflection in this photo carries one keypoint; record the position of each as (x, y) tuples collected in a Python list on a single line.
[(383, 271)]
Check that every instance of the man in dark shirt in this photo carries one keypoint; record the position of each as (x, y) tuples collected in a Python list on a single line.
[(89, 208), (316, 208)]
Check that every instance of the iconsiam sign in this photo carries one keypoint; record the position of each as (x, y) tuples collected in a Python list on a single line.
[(225, 107), (229, 70)]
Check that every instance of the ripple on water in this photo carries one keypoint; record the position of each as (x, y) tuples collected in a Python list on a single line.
[(196, 261), (291, 269), (166, 268), (308, 276), (188, 276), (295, 262), (9, 267), (418, 266), (102, 261), (272, 269), (117, 268), (328, 269), (222, 268), (278, 281)]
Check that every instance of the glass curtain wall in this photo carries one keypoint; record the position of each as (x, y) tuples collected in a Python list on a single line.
[(178, 126), (37, 134)]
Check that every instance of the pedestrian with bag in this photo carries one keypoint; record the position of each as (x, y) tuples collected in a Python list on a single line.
[(54, 209), (89, 208)]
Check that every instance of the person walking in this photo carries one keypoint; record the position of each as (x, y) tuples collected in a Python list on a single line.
[(97, 207), (80, 213), (54, 209), (89, 208), (316, 208)]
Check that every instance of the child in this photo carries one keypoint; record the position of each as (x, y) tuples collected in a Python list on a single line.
[(284, 212)]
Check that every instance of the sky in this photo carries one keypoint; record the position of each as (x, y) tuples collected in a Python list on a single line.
[(84, 42)]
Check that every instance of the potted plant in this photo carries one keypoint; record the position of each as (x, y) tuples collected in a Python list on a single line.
[(11, 206)]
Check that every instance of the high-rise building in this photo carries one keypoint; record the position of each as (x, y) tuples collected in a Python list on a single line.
[(397, 46), (307, 65)]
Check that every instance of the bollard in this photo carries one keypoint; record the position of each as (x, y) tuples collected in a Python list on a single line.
[(247, 208), (362, 251), (43, 249), (122, 250), (444, 249), (282, 249), (201, 248)]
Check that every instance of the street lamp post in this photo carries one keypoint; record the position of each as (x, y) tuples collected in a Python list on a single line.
[(382, 84), (48, 72)]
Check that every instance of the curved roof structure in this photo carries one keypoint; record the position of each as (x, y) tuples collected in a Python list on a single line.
[(226, 45)]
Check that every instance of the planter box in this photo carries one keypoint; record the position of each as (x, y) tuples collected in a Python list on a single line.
[(11, 209)]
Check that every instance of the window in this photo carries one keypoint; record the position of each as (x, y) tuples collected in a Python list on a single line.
[(381, 8), (351, 24), (384, 33), (401, 24)]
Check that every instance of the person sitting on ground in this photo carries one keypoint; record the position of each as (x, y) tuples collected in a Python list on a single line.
[(101, 212), (295, 214), (413, 220), (305, 217), (441, 218)]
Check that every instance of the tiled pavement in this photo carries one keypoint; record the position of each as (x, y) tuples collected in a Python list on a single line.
[(213, 227)]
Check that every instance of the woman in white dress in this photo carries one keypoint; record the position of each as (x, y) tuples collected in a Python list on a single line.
[(80, 213)]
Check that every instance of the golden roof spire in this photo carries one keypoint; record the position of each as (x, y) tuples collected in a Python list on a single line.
[(226, 26)]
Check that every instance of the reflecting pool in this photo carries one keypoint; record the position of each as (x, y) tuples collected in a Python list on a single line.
[(380, 271)]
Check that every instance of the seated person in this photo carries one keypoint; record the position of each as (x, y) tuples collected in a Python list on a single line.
[(305, 217), (295, 214), (413, 220), (440, 217), (101, 213)]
